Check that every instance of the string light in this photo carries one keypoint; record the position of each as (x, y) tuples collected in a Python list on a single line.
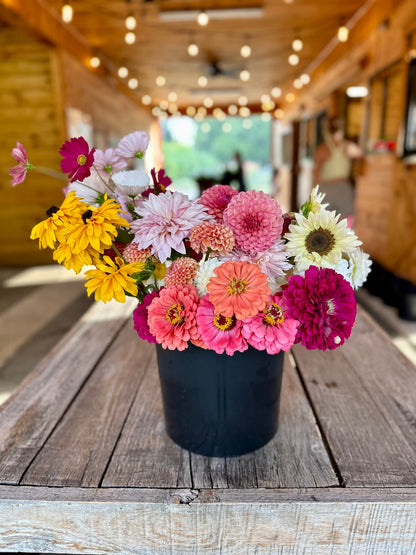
[(202, 81), (297, 45), (290, 97), (232, 110), (297, 83), (276, 92), (160, 81), (123, 72), (191, 111), (164, 104), (343, 33), (193, 49), (293, 59), (265, 98), (305, 78), (202, 111), (245, 75), (146, 99), (279, 113), (172, 96), (245, 51), (244, 112), (133, 83), (243, 101), (266, 117), (156, 111), (95, 62), (203, 19), (208, 102), (130, 22), (130, 37), (219, 114), (67, 13)]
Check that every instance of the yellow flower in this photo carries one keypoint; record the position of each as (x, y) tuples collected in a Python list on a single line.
[(97, 227), (160, 269), (112, 279), (66, 256)]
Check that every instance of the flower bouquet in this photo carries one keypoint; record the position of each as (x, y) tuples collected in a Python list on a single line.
[(225, 274)]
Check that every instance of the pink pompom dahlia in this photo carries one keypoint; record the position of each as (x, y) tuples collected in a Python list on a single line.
[(181, 271), (212, 235), (271, 329), (324, 304), (216, 199), (77, 158), (255, 219), (140, 317), (132, 253), (219, 333), (172, 317)]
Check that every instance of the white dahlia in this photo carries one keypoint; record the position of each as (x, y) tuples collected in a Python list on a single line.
[(205, 273), (360, 264)]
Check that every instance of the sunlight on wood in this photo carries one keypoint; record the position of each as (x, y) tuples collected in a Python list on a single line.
[(41, 275)]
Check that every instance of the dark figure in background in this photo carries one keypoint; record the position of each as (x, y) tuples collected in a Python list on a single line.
[(236, 174)]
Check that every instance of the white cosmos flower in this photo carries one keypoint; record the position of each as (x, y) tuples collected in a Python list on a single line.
[(205, 273), (132, 182), (320, 240), (90, 188)]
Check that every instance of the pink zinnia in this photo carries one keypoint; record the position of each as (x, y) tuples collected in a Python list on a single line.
[(182, 271), (324, 304), (212, 235), (271, 329), (218, 332), (216, 199), (18, 173), (255, 219), (140, 317), (77, 158), (108, 161), (165, 222), (133, 145), (172, 317)]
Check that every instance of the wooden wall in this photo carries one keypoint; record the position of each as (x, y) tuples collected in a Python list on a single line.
[(37, 84)]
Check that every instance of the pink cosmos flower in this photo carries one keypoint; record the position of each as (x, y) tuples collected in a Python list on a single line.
[(140, 316), (255, 219), (218, 332), (160, 180), (171, 316), (77, 158), (165, 222), (18, 173), (216, 199), (133, 145), (271, 329), (108, 161), (324, 304)]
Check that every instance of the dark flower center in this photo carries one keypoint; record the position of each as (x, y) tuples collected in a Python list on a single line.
[(237, 286), (320, 240), (86, 216), (51, 211), (273, 314), (224, 323)]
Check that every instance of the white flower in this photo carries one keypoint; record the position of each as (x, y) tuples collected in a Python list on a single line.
[(90, 189), (320, 240), (131, 182), (205, 272), (316, 200), (360, 264)]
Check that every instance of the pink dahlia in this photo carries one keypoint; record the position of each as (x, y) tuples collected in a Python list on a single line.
[(255, 219), (216, 199), (108, 161), (133, 145), (324, 304), (182, 271), (140, 317), (18, 173), (212, 235), (219, 333), (77, 158), (172, 317), (165, 222), (271, 329), (131, 253)]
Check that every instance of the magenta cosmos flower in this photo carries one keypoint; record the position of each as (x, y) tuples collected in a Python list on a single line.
[(271, 329), (255, 219), (165, 222), (324, 304), (108, 161), (133, 145), (77, 158), (216, 199), (172, 316), (219, 333), (18, 173), (140, 317)]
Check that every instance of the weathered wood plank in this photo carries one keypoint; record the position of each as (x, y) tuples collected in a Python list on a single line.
[(78, 451), (28, 417), (365, 406)]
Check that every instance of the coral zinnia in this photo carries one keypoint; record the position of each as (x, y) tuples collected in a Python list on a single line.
[(270, 329), (181, 271), (239, 288), (77, 158), (172, 316), (216, 199), (140, 317), (324, 304), (18, 173), (165, 222), (212, 235), (255, 219), (218, 332), (112, 279)]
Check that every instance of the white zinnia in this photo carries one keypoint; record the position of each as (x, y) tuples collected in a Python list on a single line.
[(205, 273), (131, 182)]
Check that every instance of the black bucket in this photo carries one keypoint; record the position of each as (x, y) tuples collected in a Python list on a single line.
[(220, 405)]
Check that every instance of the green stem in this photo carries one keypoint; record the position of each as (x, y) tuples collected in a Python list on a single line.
[(103, 180), (115, 249), (50, 172)]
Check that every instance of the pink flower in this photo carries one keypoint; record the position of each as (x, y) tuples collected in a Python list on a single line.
[(218, 332), (324, 304), (182, 271), (140, 316), (160, 180), (77, 158), (165, 222), (171, 317), (133, 145), (271, 329), (212, 235), (255, 219), (216, 199), (108, 161), (18, 173)]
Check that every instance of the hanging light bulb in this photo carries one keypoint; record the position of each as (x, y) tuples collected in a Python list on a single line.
[(276, 92), (202, 81), (305, 78), (293, 59), (297, 45), (343, 33), (146, 99), (245, 51), (203, 18), (95, 62), (130, 37), (245, 75), (123, 72), (160, 80), (130, 22), (193, 49), (67, 13)]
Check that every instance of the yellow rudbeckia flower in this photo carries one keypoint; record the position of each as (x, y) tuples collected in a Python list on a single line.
[(112, 279), (66, 256)]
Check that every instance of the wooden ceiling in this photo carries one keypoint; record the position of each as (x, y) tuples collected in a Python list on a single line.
[(161, 46)]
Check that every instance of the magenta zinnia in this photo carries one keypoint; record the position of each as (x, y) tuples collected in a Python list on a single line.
[(216, 199), (324, 304), (255, 219), (77, 158), (140, 317), (172, 317)]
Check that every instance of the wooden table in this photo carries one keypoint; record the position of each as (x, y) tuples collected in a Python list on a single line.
[(86, 466)]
